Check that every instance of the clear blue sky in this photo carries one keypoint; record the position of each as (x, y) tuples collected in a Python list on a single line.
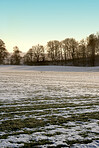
[(25, 23)]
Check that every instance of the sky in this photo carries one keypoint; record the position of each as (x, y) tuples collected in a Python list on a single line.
[(25, 23)]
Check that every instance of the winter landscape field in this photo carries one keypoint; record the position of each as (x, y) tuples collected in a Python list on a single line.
[(49, 106)]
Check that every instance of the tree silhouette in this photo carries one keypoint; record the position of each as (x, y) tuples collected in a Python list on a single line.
[(53, 50), (3, 52), (91, 47), (16, 57), (38, 52), (82, 51), (65, 52), (35, 54), (66, 49)]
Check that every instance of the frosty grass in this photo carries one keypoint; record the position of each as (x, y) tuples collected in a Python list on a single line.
[(49, 106)]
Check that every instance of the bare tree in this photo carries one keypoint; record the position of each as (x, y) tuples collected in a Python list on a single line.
[(91, 45), (3, 52), (53, 50), (35, 54), (97, 44), (16, 57), (38, 52), (71, 46), (82, 51), (28, 57), (66, 49)]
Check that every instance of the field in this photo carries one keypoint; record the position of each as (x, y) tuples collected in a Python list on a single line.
[(49, 106)]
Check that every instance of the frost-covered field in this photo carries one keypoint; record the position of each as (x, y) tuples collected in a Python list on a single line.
[(49, 106)]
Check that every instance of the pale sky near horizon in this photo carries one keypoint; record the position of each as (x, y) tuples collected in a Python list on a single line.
[(25, 23)]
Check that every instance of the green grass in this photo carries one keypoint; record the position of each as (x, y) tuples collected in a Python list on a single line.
[(47, 116), (71, 142), (36, 143), (43, 106), (50, 135), (84, 134), (18, 133), (14, 125)]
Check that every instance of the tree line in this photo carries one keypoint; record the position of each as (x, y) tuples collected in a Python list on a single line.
[(65, 52)]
